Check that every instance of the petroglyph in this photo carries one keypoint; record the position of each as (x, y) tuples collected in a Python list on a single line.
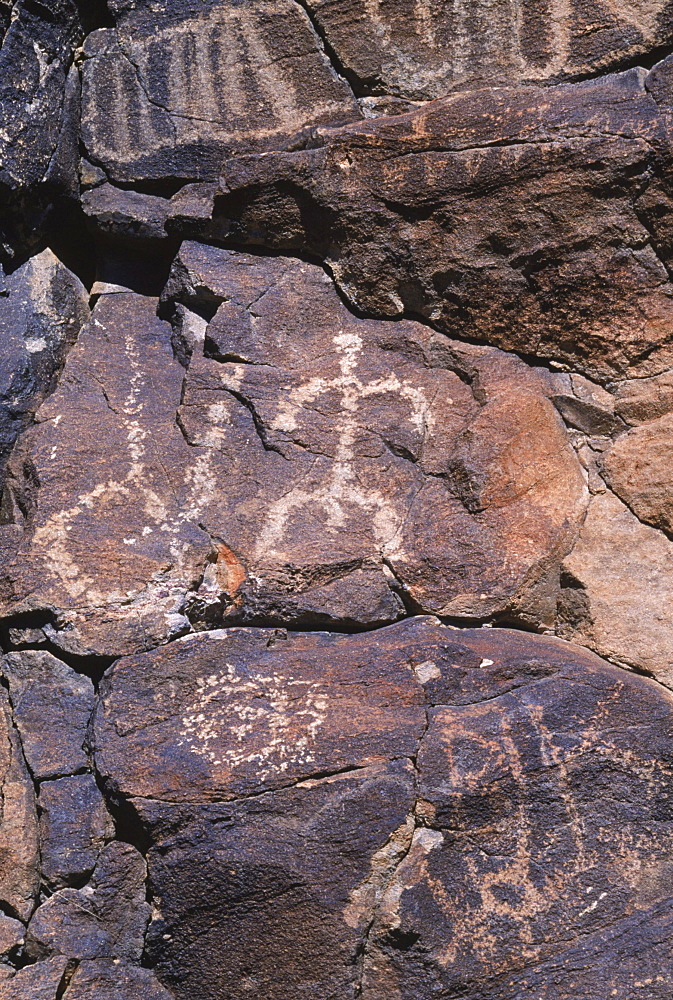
[(284, 714), (423, 49), (181, 98)]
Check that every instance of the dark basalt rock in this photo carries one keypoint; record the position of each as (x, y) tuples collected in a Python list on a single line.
[(43, 305), (471, 853), (176, 88), (422, 50)]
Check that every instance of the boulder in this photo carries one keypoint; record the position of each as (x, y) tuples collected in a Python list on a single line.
[(419, 810), (106, 919), (44, 981)]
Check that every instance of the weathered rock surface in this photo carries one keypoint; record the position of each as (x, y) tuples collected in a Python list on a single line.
[(42, 308), (518, 216), (52, 706), (19, 843), (176, 88), (196, 804), (106, 919), (423, 50), (74, 827), (474, 852), (619, 588)]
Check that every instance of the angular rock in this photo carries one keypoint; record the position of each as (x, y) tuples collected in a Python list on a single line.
[(174, 90), (52, 707), (12, 933), (106, 919), (43, 981), (640, 400), (420, 50), (514, 216), (74, 827), (42, 308), (639, 468), (618, 590), (19, 844), (485, 858), (105, 980), (112, 539)]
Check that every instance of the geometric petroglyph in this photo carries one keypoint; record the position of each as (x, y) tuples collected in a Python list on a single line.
[(176, 100)]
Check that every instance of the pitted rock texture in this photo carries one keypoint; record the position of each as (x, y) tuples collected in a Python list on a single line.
[(476, 812), (419, 49), (175, 88)]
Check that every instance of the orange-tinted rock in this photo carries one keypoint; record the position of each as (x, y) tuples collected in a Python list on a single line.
[(639, 468)]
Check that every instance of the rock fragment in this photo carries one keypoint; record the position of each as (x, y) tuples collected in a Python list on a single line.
[(42, 309), (106, 919), (617, 589), (43, 981), (74, 827), (106, 980), (52, 707)]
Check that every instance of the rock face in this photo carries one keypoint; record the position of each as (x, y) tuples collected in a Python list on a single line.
[(430, 472), (421, 50), (519, 216), (336, 504), (437, 804), (175, 88)]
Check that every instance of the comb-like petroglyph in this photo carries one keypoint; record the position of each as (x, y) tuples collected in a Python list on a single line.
[(422, 49), (171, 96)]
